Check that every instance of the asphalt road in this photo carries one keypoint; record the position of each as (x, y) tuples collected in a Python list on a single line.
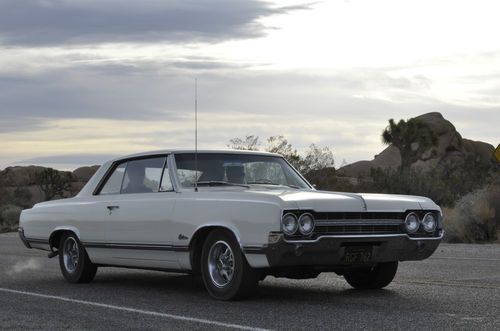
[(457, 288)]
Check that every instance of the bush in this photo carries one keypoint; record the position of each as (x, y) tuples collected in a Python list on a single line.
[(445, 184), (9, 217), (475, 217), (22, 197)]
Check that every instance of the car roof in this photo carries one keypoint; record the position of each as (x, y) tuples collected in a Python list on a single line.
[(200, 151)]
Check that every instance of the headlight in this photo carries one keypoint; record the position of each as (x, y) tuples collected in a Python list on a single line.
[(289, 223), (412, 223), (429, 222), (306, 223)]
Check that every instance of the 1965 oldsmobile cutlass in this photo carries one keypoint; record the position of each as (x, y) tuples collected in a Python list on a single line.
[(234, 217)]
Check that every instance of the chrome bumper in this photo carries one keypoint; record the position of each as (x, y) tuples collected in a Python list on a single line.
[(330, 250), (20, 231)]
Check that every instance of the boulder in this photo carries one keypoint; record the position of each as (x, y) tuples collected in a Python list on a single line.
[(450, 147), (20, 175), (83, 174)]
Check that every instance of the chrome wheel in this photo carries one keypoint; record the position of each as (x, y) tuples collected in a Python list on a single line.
[(221, 264), (71, 254)]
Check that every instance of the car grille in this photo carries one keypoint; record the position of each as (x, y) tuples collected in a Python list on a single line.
[(358, 229), (359, 216), (358, 223)]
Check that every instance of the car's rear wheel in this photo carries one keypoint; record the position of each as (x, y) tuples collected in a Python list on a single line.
[(225, 271), (373, 278), (75, 264)]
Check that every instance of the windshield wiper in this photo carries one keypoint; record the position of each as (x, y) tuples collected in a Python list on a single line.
[(265, 182), (219, 183)]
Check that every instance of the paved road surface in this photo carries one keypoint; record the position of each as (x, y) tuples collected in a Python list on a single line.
[(457, 288)]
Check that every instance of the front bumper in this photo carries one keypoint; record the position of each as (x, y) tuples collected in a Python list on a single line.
[(330, 250)]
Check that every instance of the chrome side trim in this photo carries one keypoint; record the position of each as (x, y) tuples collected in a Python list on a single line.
[(368, 237), (135, 246), (37, 241)]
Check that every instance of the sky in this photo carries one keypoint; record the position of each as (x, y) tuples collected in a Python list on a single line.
[(84, 81)]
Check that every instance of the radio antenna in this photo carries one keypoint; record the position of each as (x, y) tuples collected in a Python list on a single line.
[(196, 134)]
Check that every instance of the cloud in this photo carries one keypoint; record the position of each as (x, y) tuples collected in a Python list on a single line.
[(55, 22), (76, 105), (108, 107), (163, 90)]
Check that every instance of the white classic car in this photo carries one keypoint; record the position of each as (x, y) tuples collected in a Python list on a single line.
[(233, 216)]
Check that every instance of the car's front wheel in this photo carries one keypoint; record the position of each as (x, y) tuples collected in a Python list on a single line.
[(373, 278), (75, 264), (225, 271)]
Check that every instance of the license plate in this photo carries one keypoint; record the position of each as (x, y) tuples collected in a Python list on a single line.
[(357, 254)]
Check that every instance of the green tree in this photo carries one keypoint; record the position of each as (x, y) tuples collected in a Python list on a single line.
[(412, 138)]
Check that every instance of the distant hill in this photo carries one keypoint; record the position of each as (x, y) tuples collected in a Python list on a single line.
[(451, 147), (27, 178), (21, 187)]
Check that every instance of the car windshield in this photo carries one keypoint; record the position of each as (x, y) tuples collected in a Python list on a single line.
[(230, 169)]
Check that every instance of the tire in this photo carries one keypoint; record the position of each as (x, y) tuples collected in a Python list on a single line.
[(75, 264), (374, 278), (224, 269)]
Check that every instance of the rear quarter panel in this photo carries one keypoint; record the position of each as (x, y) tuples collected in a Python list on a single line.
[(82, 216)]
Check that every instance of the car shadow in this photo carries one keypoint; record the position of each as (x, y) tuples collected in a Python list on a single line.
[(155, 280), (272, 290)]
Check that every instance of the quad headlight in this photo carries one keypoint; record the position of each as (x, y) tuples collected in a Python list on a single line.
[(306, 224), (429, 222), (412, 223), (289, 224)]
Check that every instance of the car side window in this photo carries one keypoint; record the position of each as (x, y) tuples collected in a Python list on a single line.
[(166, 182), (143, 175), (114, 182)]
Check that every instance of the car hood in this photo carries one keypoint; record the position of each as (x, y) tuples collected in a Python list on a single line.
[(325, 201)]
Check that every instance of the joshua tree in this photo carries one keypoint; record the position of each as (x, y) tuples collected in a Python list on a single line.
[(411, 137)]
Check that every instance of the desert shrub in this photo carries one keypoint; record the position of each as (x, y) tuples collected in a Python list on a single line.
[(445, 184), (5, 196), (324, 179), (22, 197), (9, 217), (475, 217), (315, 158), (54, 183)]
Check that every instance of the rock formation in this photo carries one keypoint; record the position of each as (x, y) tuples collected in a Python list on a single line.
[(451, 147)]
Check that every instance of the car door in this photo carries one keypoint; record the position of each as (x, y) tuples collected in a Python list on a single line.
[(139, 226), (95, 213)]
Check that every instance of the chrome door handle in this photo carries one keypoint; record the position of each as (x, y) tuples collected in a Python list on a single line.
[(111, 208)]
